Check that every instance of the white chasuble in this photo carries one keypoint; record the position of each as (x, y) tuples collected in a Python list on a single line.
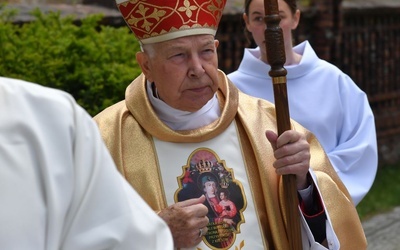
[(215, 168)]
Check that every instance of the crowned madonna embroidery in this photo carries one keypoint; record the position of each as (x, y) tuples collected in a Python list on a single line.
[(225, 199)]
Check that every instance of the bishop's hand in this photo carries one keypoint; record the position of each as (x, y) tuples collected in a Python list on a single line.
[(187, 221), (292, 155)]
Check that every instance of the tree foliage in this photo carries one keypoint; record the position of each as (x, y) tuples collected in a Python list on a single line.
[(92, 62)]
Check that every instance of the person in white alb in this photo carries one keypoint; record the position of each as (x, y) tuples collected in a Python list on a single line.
[(59, 187), (321, 98), (184, 133)]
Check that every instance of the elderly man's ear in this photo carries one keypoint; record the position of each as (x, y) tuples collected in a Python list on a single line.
[(216, 42), (143, 60)]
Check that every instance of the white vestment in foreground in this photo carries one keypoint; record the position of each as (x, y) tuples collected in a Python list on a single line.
[(59, 188)]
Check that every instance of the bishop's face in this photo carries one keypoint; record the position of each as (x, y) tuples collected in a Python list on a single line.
[(184, 70)]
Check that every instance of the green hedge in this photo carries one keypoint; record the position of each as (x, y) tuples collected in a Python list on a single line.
[(92, 62)]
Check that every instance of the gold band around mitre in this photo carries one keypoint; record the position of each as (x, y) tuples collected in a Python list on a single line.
[(155, 21)]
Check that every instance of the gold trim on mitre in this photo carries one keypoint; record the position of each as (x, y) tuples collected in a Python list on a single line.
[(153, 21), (178, 33)]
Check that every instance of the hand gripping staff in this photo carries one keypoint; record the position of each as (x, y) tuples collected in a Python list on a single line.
[(276, 58)]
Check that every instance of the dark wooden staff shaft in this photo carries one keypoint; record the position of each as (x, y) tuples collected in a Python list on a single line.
[(276, 58)]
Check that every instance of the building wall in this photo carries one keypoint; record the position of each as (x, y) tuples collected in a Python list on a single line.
[(369, 51)]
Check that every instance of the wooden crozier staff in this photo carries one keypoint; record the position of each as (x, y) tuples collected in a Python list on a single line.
[(276, 58)]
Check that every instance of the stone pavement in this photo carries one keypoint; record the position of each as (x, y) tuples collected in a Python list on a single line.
[(383, 231)]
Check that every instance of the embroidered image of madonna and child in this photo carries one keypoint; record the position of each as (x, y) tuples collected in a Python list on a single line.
[(206, 174)]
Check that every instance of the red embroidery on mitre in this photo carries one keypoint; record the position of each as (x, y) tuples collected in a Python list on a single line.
[(160, 20)]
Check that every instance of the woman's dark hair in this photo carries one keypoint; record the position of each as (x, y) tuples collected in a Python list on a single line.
[(291, 3)]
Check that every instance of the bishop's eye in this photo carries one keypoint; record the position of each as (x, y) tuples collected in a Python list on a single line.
[(208, 51), (177, 57)]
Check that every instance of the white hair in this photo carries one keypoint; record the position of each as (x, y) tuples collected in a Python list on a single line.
[(148, 49)]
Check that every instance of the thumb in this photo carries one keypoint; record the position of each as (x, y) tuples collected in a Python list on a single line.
[(272, 138), (194, 201)]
